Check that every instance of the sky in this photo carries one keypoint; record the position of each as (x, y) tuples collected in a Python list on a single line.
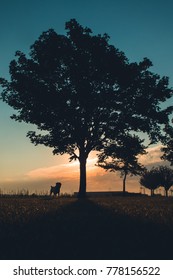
[(138, 28)]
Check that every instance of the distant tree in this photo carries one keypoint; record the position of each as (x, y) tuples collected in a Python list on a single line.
[(79, 90), (122, 156), (166, 178), (150, 179)]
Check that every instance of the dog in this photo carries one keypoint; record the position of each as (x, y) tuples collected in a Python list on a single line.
[(55, 189)]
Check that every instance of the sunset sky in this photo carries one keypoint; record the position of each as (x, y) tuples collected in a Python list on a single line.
[(139, 28)]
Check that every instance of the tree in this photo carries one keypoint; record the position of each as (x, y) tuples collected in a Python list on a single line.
[(79, 90), (150, 179), (122, 155), (167, 149), (166, 178)]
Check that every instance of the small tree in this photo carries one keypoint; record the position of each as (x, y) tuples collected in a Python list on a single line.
[(122, 156), (166, 178), (80, 90), (150, 179)]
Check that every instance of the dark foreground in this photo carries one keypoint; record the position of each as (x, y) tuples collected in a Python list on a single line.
[(97, 228)]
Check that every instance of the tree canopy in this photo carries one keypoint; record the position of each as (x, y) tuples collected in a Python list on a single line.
[(81, 92), (160, 176), (150, 179), (167, 149), (166, 177)]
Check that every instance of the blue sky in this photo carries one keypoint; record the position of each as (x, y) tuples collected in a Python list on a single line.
[(139, 28)]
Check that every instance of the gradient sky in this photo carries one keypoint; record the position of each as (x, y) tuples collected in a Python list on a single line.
[(139, 28)]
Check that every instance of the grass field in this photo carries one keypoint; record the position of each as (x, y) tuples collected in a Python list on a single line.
[(95, 228)]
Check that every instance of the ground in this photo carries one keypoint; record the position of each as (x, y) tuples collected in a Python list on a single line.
[(95, 228)]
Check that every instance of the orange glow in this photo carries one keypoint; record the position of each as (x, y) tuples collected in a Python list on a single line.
[(69, 170), (40, 179)]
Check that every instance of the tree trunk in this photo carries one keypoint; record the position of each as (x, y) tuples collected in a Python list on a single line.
[(124, 183), (82, 184), (152, 192), (166, 192)]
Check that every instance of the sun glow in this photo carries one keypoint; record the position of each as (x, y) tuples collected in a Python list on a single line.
[(68, 173), (68, 170)]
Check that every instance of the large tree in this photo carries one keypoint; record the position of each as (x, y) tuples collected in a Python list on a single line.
[(122, 155), (79, 90)]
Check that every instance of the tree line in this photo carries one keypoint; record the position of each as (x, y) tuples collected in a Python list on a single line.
[(84, 95), (161, 176)]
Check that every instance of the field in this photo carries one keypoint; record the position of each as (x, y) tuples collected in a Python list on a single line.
[(95, 228)]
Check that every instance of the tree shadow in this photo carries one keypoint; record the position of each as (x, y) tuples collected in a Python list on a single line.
[(84, 230)]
